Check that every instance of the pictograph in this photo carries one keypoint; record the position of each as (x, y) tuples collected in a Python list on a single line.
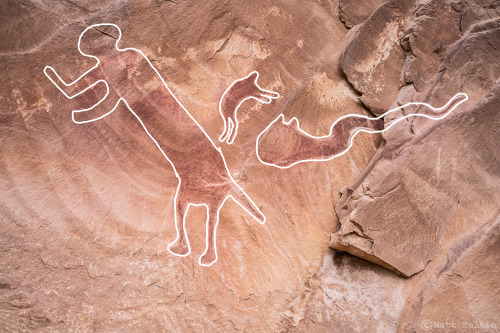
[(238, 92), (130, 78), (272, 141)]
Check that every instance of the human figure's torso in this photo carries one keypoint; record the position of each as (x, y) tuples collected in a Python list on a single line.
[(190, 150)]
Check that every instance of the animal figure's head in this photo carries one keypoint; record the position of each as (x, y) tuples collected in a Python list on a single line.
[(99, 39), (283, 144)]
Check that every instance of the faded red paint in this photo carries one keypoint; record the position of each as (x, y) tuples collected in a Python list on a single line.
[(240, 91), (285, 144), (203, 175)]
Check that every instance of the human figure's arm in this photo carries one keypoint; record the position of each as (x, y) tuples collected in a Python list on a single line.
[(101, 109), (83, 92), (75, 88)]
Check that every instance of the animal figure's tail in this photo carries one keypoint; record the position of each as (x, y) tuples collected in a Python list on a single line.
[(242, 199), (430, 112), (283, 144), (346, 127), (373, 125)]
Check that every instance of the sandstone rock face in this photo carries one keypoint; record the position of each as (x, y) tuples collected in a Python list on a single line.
[(87, 210), (371, 206), (355, 12), (467, 268), (402, 204), (374, 59)]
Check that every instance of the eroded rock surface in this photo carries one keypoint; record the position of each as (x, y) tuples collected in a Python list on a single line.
[(400, 220), (356, 12), (86, 211), (374, 59), (456, 151)]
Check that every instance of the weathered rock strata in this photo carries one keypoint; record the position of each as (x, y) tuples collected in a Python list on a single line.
[(86, 211)]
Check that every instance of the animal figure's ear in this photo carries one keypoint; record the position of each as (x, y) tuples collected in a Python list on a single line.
[(294, 123), (253, 76)]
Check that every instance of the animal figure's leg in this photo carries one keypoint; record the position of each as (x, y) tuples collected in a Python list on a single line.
[(233, 132), (228, 128), (263, 96), (210, 255), (180, 246)]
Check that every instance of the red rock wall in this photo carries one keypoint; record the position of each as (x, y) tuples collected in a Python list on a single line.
[(87, 212)]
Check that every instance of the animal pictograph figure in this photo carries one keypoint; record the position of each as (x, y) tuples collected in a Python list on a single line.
[(283, 144), (128, 77), (238, 92)]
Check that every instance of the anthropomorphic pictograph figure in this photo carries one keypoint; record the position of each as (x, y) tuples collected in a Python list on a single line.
[(128, 77), (238, 92), (283, 144)]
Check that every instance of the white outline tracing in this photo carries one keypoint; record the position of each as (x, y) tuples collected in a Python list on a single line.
[(229, 127), (242, 193), (351, 138)]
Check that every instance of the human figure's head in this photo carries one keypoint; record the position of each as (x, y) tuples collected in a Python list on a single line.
[(99, 39)]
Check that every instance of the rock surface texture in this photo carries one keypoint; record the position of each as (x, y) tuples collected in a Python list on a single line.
[(400, 234)]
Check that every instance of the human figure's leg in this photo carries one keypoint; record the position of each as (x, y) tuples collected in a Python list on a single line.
[(180, 246), (210, 255)]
